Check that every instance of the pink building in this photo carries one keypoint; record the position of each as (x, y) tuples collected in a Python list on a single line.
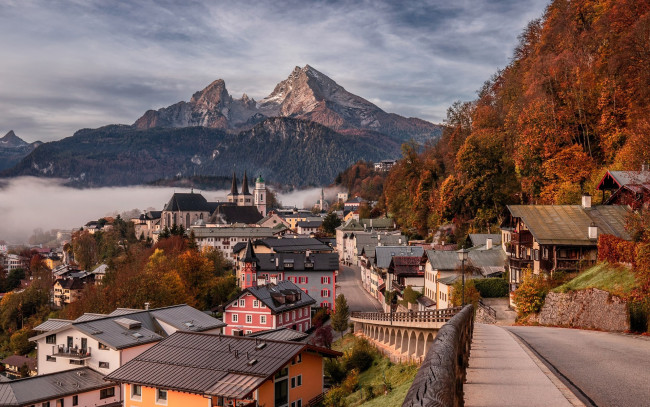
[(270, 306)]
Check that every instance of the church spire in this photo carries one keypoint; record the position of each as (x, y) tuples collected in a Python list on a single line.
[(244, 187), (233, 188)]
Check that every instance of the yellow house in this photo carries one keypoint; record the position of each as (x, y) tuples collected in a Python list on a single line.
[(194, 369)]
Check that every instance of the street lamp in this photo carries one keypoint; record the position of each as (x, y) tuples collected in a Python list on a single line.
[(462, 256)]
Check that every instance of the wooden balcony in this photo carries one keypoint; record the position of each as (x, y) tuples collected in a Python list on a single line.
[(521, 263), (522, 238)]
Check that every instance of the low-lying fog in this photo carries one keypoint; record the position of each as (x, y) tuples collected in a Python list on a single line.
[(29, 203)]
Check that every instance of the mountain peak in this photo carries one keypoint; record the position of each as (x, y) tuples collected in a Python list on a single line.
[(10, 140)]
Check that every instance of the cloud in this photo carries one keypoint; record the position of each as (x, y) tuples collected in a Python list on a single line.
[(29, 203), (86, 63)]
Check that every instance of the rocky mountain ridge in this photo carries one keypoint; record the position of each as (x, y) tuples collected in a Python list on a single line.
[(306, 94), (13, 149)]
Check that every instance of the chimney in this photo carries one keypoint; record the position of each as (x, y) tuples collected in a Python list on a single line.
[(277, 263), (146, 305), (586, 201), (488, 243), (400, 241), (593, 231)]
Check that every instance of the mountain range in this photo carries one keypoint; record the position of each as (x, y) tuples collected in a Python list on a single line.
[(305, 132), (13, 149)]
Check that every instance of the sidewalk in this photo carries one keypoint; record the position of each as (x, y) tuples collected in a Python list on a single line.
[(502, 372)]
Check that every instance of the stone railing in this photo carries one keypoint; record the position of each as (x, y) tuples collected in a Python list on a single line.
[(439, 382), (440, 315)]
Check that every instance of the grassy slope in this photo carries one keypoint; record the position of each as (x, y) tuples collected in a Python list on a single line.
[(615, 279), (400, 377)]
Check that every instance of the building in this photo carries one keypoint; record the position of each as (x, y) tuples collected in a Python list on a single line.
[(68, 290), (272, 220), (76, 387), (309, 227), (353, 204), (105, 342), (322, 205), (269, 306), (313, 273), (549, 238), (224, 239), (385, 165), (406, 271), (185, 209), (630, 188), (383, 258), (193, 369), (13, 365), (12, 262), (147, 224), (299, 216), (297, 244)]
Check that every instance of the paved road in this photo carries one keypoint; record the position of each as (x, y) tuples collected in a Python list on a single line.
[(609, 369), (349, 283)]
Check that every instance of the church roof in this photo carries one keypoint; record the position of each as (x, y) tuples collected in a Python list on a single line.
[(244, 187), (259, 179), (233, 187), (229, 214), (249, 255), (187, 202)]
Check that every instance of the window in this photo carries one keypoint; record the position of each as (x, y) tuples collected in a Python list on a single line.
[(300, 313), (302, 280), (136, 392), (75, 400), (249, 319), (296, 381), (50, 339), (248, 331), (280, 318), (256, 304), (324, 280), (235, 318), (46, 404), (297, 403), (242, 303), (536, 255), (59, 403), (101, 346), (50, 358), (106, 393), (297, 359), (325, 293), (263, 319), (234, 304), (103, 365), (76, 362), (161, 396), (293, 315)]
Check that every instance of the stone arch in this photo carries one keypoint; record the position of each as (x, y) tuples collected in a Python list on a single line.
[(412, 343), (382, 333), (391, 340), (420, 345), (428, 342), (404, 347)]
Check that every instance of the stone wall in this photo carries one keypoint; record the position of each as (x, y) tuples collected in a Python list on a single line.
[(587, 309), (484, 317)]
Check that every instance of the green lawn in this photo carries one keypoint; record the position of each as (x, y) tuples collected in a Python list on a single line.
[(615, 279), (373, 381)]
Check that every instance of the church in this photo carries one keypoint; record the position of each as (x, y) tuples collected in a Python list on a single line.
[(246, 198)]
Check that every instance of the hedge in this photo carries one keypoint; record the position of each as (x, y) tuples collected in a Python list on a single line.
[(491, 287)]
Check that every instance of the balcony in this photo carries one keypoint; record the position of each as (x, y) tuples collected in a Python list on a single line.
[(523, 238), (521, 263), (73, 353)]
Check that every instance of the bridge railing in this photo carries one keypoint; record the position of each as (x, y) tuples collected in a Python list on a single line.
[(439, 382), (440, 315)]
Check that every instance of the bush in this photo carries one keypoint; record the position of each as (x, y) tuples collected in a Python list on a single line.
[(323, 337), (335, 370), (335, 398), (320, 317), (639, 315), (615, 250), (530, 295), (360, 357), (351, 382), (491, 287), (471, 293)]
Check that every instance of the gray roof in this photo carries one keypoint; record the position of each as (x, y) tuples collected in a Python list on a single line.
[(318, 261), (569, 224), (310, 223), (351, 224), (444, 260), (378, 223), (109, 331), (630, 177), (274, 296), (215, 365), (52, 324), (187, 202), (384, 254), (364, 239), (479, 239), (246, 232), (89, 317), (51, 386), (280, 334), (288, 245)]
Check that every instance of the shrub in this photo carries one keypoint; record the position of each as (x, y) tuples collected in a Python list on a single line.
[(320, 317), (471, 293), (616, 250), (530, 295), (323, 337), (360, 357), (351, 382), (335, 370), (491, 287), (335, 397), (639, 315)]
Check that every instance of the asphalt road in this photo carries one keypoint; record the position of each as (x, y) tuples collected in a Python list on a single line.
[(349, 283), (602, 368)]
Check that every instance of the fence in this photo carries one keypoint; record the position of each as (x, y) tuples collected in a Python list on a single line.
[(441, 315), (439, 382)]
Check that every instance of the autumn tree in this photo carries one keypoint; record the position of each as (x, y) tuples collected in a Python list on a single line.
[(341, 315)]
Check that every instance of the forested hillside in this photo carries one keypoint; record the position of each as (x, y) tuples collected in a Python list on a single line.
[(573, 102)]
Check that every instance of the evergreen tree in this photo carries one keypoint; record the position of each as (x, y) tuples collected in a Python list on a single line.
[(341, 315), (165, 233), (330, 223), (191, 244)]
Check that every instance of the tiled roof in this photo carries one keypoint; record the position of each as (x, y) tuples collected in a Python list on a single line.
[(187, 202), (276, 296), (384, 254), (215, 365), (351, 224), (405, 265), (378, 223), (50, 386), (17, 360), (569, 224)]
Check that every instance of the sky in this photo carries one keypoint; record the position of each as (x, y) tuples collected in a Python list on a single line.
[(68, 65)]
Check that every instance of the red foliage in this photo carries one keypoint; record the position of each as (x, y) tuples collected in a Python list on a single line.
[(616, 250)]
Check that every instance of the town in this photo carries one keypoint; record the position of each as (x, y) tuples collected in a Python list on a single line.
[(297, 276)]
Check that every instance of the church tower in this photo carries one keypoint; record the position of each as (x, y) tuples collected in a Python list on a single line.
[(245, 198), (233, 196), (260, 195), (248, 275)]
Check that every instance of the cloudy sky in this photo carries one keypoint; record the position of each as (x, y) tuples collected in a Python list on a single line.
[(77, 64)]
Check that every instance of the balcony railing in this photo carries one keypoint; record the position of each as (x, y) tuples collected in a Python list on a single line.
[(523, 237), (521, 263), (75, 353)]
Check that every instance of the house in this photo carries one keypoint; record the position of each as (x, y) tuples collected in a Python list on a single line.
[(309, 227), (224, 239), (480, 239), (405, 271), (379, 271), (196, 369), (12, 262), (271, 220), (147, 224), (14, 363), (549, 238), (105, 342), (353, 204), (269, 306), (100, 273), (280, 334), (68, 290), (314, 273), (385, 165), (626, 188), (300, 216), (77, 387), (298, 244), (443, 269), (342, 233)]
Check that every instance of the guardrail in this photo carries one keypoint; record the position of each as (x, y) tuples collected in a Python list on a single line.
[(491, 311), (439, 382), (439, 315)]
